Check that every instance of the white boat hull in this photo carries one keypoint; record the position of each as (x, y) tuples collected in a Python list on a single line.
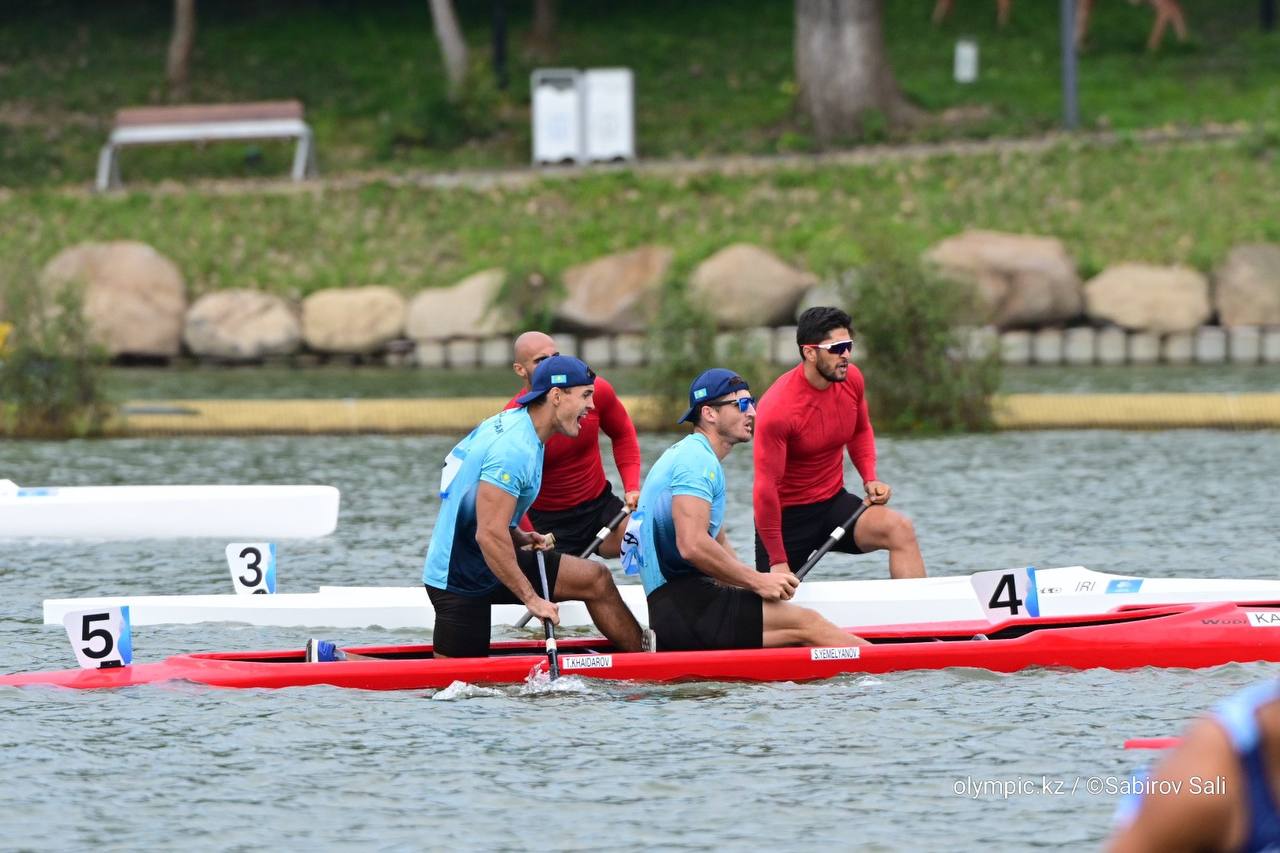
[(167, 512), (1063, 591)]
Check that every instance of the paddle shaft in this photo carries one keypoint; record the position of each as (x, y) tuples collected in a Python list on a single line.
[(836, 535), (590, 549), (553, 655)]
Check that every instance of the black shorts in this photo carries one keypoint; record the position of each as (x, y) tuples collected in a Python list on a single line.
[(806, 527), (576, 527), (462, 621), (695, 613)]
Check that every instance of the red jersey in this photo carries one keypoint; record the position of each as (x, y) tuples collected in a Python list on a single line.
[(572, 471), (800, 431)]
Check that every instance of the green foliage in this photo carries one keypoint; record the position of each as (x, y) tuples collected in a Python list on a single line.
[(52, 376), (712, 78), (478, 112), (749, 358), (530, 298), (681, 345), (922, 376)]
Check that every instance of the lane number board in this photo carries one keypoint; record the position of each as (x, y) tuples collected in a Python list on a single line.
[(101, 638), (1005, 593), (253, 567)]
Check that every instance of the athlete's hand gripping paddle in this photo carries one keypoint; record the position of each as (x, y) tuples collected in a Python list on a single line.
[(590, 549), (553, 655), (836, 535)]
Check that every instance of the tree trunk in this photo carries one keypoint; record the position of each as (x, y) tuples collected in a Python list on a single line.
[(178, 66), (452, 46), (842, 68), (542, 35)]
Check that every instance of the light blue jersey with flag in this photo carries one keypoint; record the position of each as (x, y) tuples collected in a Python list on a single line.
[(689, 467), (505, 451)]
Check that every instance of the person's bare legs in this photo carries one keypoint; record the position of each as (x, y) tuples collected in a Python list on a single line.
[(884, 529), (590, 582), (791, 625)]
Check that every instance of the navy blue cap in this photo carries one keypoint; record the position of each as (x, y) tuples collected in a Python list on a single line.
[(710, 384), (559, 371)]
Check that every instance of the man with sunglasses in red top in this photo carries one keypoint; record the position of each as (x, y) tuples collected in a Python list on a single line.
[(576, 500), (806, 419)]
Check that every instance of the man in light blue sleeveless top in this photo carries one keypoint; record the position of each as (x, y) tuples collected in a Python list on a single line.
[(1217, 789), (479, 557), (701, 596)]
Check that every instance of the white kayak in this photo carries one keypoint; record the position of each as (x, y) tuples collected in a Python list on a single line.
[(1060, 592), (166, 512)]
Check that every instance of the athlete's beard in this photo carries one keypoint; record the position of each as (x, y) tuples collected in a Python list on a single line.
[(831, 375)]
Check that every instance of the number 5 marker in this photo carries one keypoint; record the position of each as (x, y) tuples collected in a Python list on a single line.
[(101, 638)]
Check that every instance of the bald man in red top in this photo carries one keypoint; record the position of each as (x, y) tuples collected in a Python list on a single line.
[(806, 420), (576, 499)]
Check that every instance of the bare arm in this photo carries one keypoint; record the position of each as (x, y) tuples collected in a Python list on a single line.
[(692, 517), (1188, 820), (494, 535), (770, 456)]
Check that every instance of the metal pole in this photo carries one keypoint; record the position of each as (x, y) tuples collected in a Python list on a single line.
[(1070, 101)]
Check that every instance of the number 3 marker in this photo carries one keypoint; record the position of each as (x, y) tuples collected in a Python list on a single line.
[(253, 567), (100, 638)]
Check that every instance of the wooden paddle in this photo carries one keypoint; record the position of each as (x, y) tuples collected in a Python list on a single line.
[(590, 549), (553, 655), (836, 536)]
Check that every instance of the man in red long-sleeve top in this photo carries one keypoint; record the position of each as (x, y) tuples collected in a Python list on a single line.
[(806, 419), (576, 500)]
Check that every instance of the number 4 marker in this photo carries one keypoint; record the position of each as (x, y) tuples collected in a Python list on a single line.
[(1006, 593)]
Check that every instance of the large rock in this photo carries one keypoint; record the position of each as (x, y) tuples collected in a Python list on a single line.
[(134, 297), (1248, 286), (826, 293), (462, 310), (242, 325), (1149, 298), (743, 286), (1024, 281), (616, 293), (354, 321)]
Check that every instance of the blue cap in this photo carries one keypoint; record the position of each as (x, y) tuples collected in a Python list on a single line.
[(710, 384), (559, 371)]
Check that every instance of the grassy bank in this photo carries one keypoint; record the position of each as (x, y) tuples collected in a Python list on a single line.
[(1180, 204), (712, 77)]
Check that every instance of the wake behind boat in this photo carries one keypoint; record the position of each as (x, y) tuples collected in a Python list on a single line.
[(1071, 590), (1170, 636), (166, 512)]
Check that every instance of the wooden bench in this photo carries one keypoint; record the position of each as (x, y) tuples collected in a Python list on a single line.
[(201, 123)]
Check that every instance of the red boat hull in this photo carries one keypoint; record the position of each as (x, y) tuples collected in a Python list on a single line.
[(1190, 636)]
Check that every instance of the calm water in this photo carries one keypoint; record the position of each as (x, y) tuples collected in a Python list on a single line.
[(856, 762)]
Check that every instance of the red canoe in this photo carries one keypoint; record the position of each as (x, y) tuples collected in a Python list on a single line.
[(1163, 636)]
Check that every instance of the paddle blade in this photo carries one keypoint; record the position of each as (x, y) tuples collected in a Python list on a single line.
[(1152, 742)]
